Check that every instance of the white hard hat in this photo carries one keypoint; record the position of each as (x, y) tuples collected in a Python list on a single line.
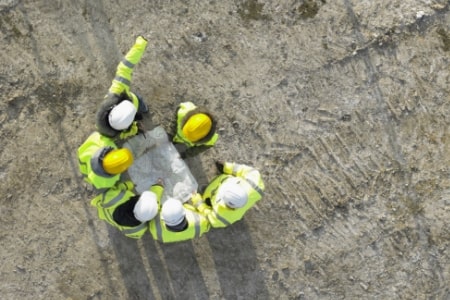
[(232, 193), (146, 207), (172, 212), (122, 115)]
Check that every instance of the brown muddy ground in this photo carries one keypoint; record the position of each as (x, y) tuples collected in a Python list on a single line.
[(343, 105)]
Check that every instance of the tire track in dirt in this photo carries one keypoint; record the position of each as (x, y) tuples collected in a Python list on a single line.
[(99, 38), (329, 175), (372, 75), (369, 171), (391, 119)]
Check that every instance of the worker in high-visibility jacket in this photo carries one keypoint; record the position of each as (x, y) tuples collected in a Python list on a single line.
[(231, 194), (118, 113), (128, 212), (101, 162), (195, 126), (178, 222)]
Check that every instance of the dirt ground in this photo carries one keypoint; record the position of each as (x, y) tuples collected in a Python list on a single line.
[(343, 106)]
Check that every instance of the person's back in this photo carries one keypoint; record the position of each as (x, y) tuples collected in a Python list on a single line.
[(123, 209), (230, 195), (195, 126), (178, 222), (91, 161)]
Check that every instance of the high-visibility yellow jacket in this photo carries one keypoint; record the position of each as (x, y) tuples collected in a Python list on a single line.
[(120, 87), (197, 226), (90, 154), (111, 200), (220, 215), (185, 111)]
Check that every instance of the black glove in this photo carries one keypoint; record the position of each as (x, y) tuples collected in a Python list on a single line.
[(219, 166), (141, 128), (160, 182)]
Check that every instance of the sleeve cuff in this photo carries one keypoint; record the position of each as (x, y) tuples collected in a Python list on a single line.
[(140, 40), (228, 168)]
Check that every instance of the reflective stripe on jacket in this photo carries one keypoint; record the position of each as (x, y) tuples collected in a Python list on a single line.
[(90, 164), (197, 226)]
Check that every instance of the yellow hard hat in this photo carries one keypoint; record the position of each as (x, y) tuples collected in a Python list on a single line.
[(117, 161), (197, 127)]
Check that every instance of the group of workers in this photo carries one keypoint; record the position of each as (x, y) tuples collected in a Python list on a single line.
[(102, 163)]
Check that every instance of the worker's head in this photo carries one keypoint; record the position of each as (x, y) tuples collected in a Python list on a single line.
[(146, 207), (117, 161), (232, 193), (122, 115), (197, 127), (172, 212)]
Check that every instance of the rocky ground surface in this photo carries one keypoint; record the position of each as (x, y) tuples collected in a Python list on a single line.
[(343, 106)]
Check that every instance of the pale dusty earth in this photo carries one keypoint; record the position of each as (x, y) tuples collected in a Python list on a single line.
[(343, 105)]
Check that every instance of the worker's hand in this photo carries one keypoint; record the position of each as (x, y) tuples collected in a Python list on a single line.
[(129, 185), (204, 208), (126, 185), (219, 165), (160, 182), (141, 128), (143, 37), (140, 42), (133, 130), (196, 199)]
